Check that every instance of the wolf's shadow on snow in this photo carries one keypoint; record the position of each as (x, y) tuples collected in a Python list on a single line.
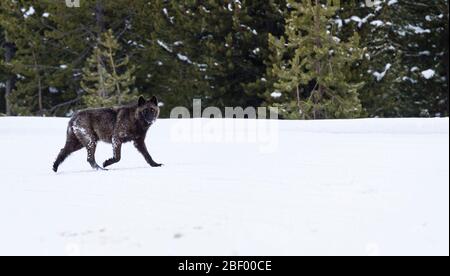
[(102, 171)]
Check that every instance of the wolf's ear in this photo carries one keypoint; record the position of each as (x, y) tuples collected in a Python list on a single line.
[(154, 100), (141, 101)]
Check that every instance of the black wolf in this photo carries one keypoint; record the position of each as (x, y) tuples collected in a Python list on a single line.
[(111, 125)]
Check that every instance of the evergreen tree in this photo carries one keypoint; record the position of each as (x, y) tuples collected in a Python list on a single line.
[(312, 66), (24, 30), (168, 63), (219, 51), (212, 50), (7, 51), (107, 77), (236, 39), (73, 35), (406, 64)]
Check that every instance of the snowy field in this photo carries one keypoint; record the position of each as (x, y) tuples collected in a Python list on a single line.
[(363, 187)]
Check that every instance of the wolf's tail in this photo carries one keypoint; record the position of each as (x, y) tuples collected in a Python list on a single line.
[(71, 124)]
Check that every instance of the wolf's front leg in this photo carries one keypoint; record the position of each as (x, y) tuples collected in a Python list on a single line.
[(142, 148), (117, 148)]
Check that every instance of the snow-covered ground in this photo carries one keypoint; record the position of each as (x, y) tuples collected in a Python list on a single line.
[(363, 187)]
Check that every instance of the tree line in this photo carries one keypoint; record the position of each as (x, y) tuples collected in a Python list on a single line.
[(312, 59)]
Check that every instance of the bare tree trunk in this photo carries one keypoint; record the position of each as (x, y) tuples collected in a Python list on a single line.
[(9, 85), (99, 14), (40, 95), (446, 55), (319, 93), (298, 100), (116, 77), (39, 83), (100, 69)]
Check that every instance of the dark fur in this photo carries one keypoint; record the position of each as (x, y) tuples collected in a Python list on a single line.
[(111, 125)]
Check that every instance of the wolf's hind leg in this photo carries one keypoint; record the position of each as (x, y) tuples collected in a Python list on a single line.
[(91, 147), (89, 141), (117, 148), (72, 145)]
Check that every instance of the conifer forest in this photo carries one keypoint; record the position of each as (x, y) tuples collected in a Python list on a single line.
[(313, 59)]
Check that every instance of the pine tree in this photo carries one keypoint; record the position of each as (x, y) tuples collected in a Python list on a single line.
[(312, 66), (406, 66), (236, 40), (24, 30), (168, 63), (7, 51), (107, 77), (223, 46), (74, 35), (219, 51)]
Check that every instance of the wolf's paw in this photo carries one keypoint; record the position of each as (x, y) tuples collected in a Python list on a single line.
[(98, 168), (156, 165), (106, 163), (55, 167)]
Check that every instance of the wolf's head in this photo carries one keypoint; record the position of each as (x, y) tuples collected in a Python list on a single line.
[(147, 111)]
